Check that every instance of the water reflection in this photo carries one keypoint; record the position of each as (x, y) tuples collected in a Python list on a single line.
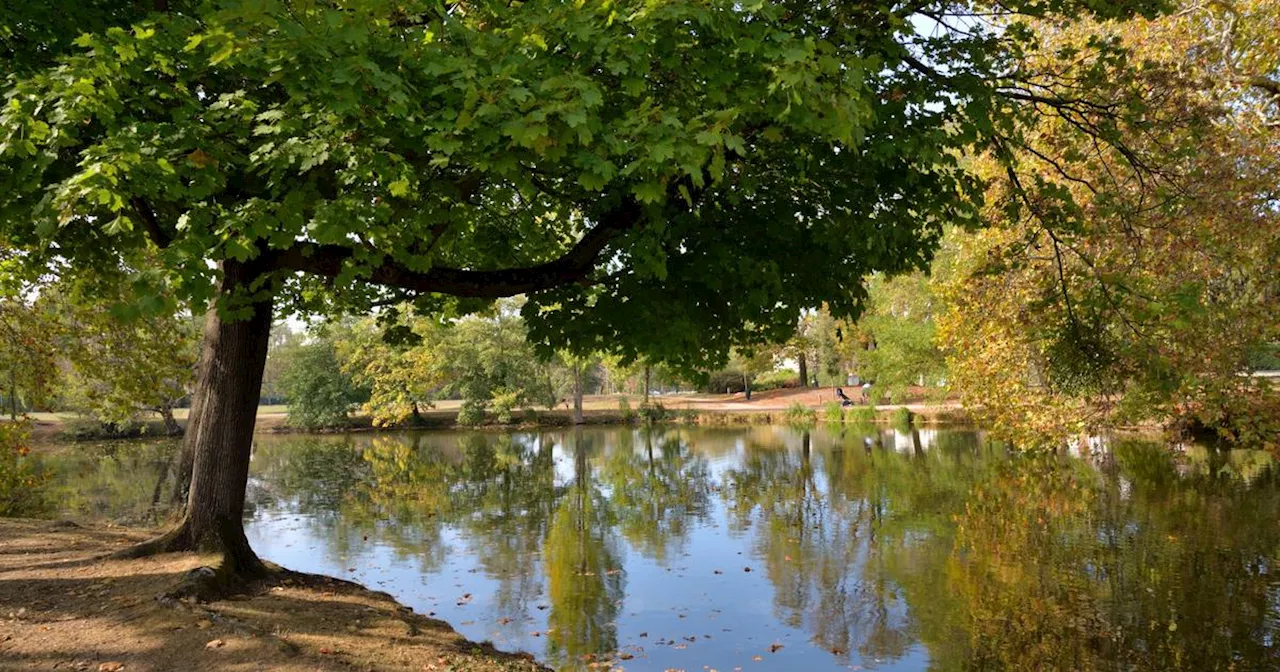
[(887, 549)]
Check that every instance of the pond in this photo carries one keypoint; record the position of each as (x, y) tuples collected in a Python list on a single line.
[(770, 547)]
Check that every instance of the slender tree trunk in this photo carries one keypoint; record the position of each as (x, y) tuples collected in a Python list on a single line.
[(171, 426), (746, 386), (646, 383), (577, 395), (229, 382), (187, 457), (804, 370)]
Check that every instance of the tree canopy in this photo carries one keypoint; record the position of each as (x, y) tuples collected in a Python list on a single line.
[(666, 176), (1119, 286)]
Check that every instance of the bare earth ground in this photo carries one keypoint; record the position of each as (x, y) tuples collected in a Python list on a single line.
[(62, 608)]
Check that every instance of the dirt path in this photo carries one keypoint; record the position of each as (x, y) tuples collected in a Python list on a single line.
[(62, 608)]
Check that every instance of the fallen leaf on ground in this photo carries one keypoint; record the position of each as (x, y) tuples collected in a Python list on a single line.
[(215, 644), (112, 666)]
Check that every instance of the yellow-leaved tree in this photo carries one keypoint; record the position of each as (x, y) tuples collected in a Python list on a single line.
[(1129, 282)]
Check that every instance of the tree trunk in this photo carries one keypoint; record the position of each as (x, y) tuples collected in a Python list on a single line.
[(746, 386), (171, 426), (804, 370), (646, 384), (187, 457), (577, 394), (229, 381)]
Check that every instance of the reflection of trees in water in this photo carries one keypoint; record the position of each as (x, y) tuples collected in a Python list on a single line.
[(583, 565), (504, 502), (1022, 563), (831, 521), (121, 481), (988, 561), (658, 492)]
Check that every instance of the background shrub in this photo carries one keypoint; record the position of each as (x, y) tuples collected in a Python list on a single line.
[(862, 415), (728, 380), (776, 380), (471, 413), (22, 483), (625, 410), (503, 403), (799, 414)]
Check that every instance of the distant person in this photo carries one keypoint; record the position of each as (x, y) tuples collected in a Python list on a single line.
[(844, 399), (866, 393)]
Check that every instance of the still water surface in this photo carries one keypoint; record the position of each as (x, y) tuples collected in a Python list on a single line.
[(771, 547)]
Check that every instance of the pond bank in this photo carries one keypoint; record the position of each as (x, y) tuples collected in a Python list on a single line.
[(61, 607), (718, 410)]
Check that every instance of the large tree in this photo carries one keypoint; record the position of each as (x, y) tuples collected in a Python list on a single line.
[(664, 178)]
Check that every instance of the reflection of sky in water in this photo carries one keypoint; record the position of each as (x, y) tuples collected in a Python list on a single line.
[(697, 606)]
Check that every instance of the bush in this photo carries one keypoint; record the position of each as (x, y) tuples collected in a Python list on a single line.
[(799, 414), (833, 412), (775, 380), (22, 484), (320, 395), (862, 415), (901, 418), (503, 403), (728, 380), (1265, 357), (652, 412), (624, 409), (471, 413)]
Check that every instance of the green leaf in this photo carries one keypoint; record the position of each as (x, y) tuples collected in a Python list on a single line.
[(649, 192)]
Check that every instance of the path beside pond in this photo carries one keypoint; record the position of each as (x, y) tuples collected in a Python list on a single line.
[(63, 608)]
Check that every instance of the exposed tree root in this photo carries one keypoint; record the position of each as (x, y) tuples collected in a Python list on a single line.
[(176, 540), (209, 584), (238, 571)]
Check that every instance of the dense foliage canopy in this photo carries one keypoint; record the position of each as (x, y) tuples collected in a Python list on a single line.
[(670, 177)]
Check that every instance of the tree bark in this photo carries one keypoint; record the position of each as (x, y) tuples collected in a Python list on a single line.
[(804, 370), (171, 426), (577, 394), (229, 381), (646, 384), (746, 386), (187, 457)]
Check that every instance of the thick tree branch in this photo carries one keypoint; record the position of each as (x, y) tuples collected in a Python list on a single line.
[(571, 267), (1266, 84), (150, 223)]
